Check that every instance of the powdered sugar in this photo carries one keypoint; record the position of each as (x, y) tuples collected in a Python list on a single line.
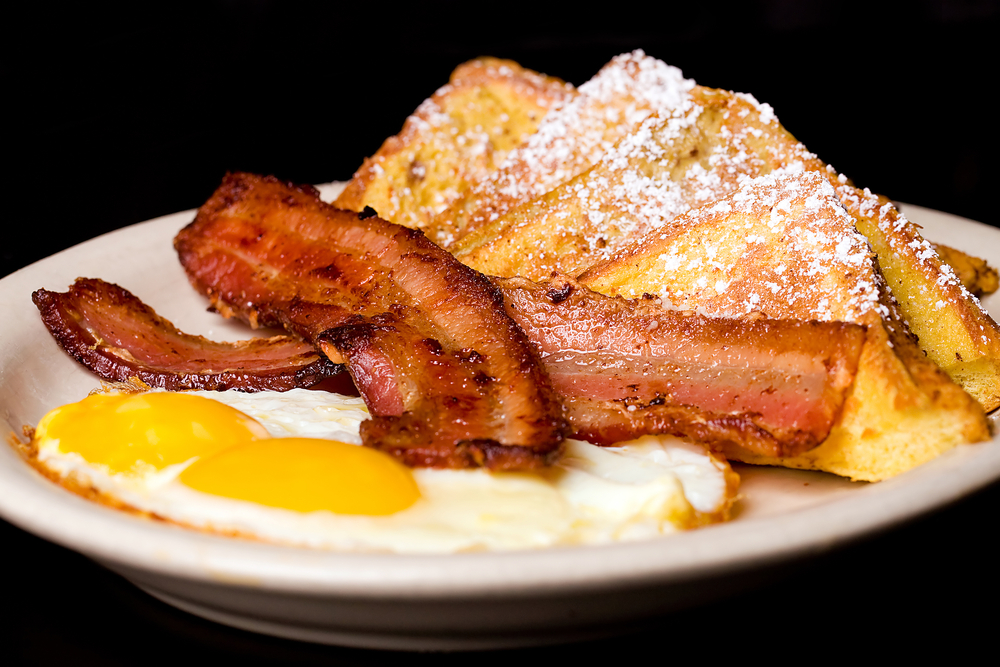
[(575, 135), (814, 264)]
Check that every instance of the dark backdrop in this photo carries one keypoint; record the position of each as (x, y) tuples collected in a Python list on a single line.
[(123, 116), (117, 115)]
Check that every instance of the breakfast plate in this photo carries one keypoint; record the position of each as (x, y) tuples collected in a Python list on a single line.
[(461, 601)]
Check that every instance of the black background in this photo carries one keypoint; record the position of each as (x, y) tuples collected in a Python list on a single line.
[(117, 115)]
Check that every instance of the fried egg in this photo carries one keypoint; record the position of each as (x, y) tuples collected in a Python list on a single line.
[(288, 468)]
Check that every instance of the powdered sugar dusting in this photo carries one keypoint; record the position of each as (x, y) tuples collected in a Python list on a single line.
[(782, 245), (671, 163), (574, 136), (677, 162), (905, 244), (640, 152), (765, 111)]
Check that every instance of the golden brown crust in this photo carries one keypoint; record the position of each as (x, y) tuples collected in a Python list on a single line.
[(780, 245), (455, 138), (649, 178), (952, 327), (976, 275), (29, 452)]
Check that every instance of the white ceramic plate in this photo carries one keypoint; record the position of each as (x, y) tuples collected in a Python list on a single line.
[(423, 602)]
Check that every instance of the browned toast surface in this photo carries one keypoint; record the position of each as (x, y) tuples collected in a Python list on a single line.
[(455, 138), (951, 325)]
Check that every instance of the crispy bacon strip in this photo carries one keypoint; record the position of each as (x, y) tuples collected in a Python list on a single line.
[(117, 336), (631, 368), (450, 379)]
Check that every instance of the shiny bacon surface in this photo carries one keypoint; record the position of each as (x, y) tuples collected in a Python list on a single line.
[(631, 368), (450, 379), (117, 336)]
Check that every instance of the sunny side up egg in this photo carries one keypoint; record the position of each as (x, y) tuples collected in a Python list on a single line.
[(287, 468)]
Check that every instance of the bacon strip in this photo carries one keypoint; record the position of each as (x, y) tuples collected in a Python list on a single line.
[(631, 368), (450, 379), (117, 336)]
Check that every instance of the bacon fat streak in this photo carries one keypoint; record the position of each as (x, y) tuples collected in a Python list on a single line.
[(450, 379), (632, 368)]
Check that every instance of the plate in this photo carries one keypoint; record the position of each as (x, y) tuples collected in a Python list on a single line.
[(464, 601)]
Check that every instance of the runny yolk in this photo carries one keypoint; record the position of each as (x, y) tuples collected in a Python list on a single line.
[(306, 475), (128, 433)]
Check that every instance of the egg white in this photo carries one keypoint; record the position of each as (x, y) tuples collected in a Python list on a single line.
[(651, 486)]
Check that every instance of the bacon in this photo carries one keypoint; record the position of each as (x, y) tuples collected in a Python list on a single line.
[(117, 336), (450, 379), (631, 368)]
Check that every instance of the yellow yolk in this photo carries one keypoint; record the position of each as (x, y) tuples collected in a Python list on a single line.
[(306, 474), (129, 433)]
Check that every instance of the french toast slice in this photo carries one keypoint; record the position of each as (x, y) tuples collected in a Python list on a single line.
[(453, 139), (697, 154), (783, 246), (571, 138), (690, 155), (953, 328), (978, 277)]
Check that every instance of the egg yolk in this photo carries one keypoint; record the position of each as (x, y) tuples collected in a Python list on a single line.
[(307, 474), (129, 433)]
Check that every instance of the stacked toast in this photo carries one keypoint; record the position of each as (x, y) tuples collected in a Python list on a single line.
[(641, 183)]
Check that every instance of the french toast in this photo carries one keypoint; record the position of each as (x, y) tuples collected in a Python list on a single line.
[(693, 154), (953, 328), (453, 139), (697, 154), (687, 164), (783, 246)]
